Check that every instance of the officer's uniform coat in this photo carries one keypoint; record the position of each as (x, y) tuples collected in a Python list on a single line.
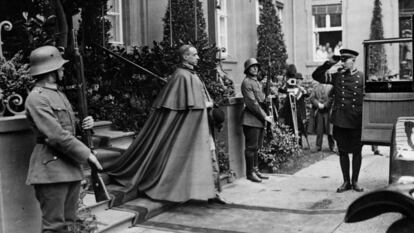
[(58, 154), (253, 96), (347, 96)]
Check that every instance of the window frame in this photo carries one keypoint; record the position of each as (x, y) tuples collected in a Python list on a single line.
[(113, 14), (222, 33), (327, 28)]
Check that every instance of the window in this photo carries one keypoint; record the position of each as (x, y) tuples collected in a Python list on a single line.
[(114, 15), (222, 26), (327, 30), (389, 66)]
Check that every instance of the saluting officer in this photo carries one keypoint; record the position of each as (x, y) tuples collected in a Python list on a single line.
[(254, 118), (55, 164), (346, 112)]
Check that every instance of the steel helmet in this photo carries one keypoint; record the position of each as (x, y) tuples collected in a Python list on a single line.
[(250, 62), (45, 59)]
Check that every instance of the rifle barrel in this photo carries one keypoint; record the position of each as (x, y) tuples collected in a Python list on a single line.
[(130, 62)]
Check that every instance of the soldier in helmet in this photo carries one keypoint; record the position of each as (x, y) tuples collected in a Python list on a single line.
[(254, 118), (55, 165), (346, 115)]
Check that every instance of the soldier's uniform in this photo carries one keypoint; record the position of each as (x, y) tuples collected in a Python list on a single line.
[(55, 164), (253, 121), (346, 114)]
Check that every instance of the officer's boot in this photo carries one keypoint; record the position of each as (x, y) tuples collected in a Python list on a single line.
[(356, 166), (344, 162), (250, 174), (256, 167)]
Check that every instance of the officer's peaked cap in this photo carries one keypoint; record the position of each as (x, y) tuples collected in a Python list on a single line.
[(348, 53)]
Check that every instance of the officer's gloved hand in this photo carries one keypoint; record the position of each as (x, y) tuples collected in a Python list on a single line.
[(88, 123), (320, 106), (334, 59)]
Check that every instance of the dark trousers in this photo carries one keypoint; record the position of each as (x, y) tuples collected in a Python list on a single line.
[(253, 142), (253, 138), (356, 165), (58, 202), (322, 127)]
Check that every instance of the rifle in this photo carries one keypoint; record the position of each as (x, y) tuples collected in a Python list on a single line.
[(269, 104), (99, 188), (131, 63)]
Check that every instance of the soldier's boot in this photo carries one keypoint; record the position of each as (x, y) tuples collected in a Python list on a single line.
[(344, 162), (250, 174), (356, 166), (256, 167)]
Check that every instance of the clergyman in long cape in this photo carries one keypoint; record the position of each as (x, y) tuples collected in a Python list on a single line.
[(170, 159)]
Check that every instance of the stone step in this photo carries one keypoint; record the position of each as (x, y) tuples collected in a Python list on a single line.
[(146, 208), (113, 220), (106, 155), (102, 125), (91, 204), (107, 138), (119, 195), (121, 145), (151, 229)]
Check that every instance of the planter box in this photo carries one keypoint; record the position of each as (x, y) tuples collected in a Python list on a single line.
[(19, 210)]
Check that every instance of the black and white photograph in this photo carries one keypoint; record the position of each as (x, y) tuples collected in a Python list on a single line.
[(206, 116)]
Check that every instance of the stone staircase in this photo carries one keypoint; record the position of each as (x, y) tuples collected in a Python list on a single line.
[(118, 214)]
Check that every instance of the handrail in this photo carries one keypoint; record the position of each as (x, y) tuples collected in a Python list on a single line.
[(130, 62)]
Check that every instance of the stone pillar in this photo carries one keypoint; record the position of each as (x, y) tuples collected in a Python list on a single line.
[(19, 210), (232, 135)]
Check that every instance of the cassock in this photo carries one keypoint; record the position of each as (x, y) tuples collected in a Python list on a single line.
[(170, 159)]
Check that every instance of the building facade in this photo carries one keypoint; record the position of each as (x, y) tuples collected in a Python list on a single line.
[(311, 28)]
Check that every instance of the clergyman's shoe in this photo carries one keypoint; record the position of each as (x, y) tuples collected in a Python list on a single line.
[(344, 187), (356, 187), (253, 177), (217, 200)]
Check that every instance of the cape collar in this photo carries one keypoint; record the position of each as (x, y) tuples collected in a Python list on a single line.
[(187, 67)]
